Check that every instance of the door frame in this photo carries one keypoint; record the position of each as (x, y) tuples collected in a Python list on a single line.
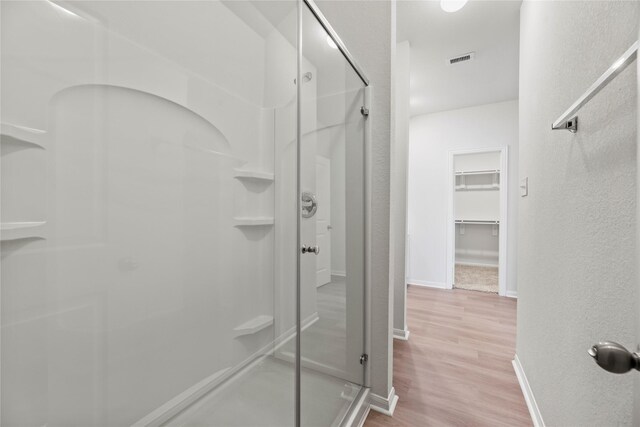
[(504, 217)]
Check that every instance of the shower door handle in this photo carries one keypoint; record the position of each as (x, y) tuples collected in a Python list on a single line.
[(310, 249)]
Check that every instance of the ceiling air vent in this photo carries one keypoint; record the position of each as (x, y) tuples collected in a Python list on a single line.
[(462, 58)]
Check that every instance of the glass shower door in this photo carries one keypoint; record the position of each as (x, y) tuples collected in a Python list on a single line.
[(148, 158), (331, 227)]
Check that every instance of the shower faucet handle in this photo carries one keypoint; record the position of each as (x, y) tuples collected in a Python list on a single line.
[(310, 249)]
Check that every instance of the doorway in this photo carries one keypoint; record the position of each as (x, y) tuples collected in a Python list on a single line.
[(477, 220)]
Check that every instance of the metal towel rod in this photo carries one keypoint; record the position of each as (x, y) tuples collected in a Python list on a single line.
[(568, 120)]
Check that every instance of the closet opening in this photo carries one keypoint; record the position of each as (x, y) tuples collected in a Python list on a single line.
[(477, 220)]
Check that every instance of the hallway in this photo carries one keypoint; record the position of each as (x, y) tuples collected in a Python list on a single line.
[(456, 370)]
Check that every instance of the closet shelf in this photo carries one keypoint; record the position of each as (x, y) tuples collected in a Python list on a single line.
[(10, 133), (478, 187), (479, 172), (22, 230), (477, 221), (254, 325), (254, 175), (253, 221)]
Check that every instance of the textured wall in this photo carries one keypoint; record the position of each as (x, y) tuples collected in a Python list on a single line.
[(366, 28), (576, 256), (637, 379), (431, 138), (399, 163)]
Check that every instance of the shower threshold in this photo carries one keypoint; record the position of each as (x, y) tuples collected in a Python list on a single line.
[(264, 396)]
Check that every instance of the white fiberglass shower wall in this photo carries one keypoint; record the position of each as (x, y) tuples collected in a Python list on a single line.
[(149, 210)]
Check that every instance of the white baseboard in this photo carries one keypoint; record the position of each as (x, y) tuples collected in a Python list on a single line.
[(512, 294), (401, 334), (425, 283), (534, 411), (384, 405)]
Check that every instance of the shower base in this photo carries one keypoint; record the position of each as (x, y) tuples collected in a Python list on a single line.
[(264, 396)]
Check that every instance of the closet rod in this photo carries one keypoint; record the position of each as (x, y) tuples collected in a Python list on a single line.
[(480, 172), (470, 221), (568, 120)]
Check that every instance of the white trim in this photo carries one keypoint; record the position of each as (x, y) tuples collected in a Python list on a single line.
[(339, 273), (401, 334), (425, 283), (364, 416), (384, 405), (512, 294), (534, 411), (504, 226), (359, 410)]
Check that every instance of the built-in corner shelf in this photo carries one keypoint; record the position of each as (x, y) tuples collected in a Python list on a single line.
[(254, 325), (10, 133), (254, 175), (253, 221), (22, 230)]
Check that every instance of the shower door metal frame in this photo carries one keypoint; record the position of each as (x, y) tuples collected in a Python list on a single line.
[(322, 20)]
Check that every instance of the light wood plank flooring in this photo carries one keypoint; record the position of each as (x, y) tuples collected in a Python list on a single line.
[(456, 370)]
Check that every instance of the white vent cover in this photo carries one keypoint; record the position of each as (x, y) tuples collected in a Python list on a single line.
[(462, 58)]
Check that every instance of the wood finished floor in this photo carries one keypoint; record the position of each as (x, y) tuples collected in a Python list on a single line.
[(456, 370)]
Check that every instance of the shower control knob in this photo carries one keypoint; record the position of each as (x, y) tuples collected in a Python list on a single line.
[(614, 358), (310, 249)]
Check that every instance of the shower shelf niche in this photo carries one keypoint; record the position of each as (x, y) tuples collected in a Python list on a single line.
[(22, 230), (253, 221), (10, 133), (254, 175), (254, 325)]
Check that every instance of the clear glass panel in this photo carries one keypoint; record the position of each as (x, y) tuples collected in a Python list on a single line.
[(332, 281), (148, 212)]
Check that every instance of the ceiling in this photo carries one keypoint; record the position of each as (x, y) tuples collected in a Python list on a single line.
[(491, 29)]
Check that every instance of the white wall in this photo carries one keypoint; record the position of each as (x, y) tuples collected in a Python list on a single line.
[(373, 51), (399, 174), (576, 257), (432, 137)]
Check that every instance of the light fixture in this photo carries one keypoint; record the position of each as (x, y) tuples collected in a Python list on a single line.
[(331, 43), (452, 5)]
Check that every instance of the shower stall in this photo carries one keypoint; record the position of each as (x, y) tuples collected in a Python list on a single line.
[(183, 215)]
